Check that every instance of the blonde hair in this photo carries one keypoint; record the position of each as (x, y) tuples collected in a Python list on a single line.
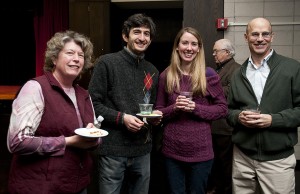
[(197, 71)]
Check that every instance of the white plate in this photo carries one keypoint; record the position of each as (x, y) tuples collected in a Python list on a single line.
[(148, 116), (91, 132)]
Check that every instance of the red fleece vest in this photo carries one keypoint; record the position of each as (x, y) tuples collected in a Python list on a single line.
[(69, 173)]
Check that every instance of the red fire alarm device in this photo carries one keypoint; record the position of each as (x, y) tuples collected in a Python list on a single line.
[(222, 23)]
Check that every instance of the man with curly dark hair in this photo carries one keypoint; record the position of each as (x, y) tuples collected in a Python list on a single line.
[(120, 82)]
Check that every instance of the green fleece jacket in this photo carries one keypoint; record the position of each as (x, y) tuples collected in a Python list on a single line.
[(280, 99)]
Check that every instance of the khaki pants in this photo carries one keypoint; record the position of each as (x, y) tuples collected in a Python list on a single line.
[(268, 177)]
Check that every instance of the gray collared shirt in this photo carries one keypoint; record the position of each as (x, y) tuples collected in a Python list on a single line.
[(258, 75)]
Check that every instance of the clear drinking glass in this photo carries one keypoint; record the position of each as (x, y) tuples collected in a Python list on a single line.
[(252, 109), (188, 95), (146, 109)]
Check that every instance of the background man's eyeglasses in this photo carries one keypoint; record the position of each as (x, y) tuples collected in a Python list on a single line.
[(218, 50)]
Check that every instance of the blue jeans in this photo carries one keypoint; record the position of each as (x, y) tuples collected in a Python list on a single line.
[(187, 177), (112, 171)]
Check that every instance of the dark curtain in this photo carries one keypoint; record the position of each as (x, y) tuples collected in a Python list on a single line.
[(51, 17)]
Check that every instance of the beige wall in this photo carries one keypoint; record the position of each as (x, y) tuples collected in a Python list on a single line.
[(279, 12), (297, 147), (284, 14)]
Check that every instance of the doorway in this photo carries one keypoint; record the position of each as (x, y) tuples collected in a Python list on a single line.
[(168, 20)]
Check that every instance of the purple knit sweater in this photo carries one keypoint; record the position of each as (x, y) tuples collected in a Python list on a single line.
[(187, 136)]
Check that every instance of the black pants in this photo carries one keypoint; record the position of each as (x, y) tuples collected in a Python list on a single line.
[(220, 179)]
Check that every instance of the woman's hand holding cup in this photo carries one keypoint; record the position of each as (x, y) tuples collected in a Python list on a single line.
[(184, 102)]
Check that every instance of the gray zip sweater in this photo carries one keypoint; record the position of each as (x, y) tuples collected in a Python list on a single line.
[(121, 81), (280, 99)]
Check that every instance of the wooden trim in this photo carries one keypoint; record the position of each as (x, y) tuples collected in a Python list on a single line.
[(8, 92)]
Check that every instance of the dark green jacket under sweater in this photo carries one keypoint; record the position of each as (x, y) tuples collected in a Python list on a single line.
[(280, 99)]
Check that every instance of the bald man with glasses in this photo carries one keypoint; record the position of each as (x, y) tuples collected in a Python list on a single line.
[(263, 153)]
